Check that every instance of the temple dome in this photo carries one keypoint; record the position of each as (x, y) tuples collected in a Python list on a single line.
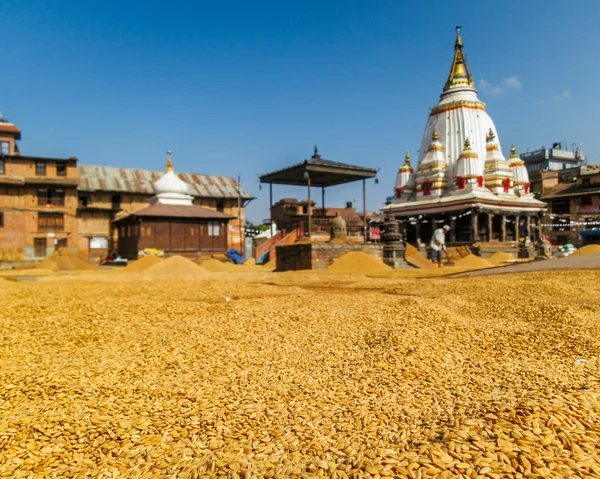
[(458, 115), (170, 189)]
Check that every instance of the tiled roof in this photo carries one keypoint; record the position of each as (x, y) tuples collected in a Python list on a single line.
[(129, 180), (178, 211)]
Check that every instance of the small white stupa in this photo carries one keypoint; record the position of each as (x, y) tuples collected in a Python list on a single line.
[(170, 189)]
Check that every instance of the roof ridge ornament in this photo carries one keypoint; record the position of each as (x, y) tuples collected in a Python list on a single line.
[(491, 136), (169, 161), (316, 153)]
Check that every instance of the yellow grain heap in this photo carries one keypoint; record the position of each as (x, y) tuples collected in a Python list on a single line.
[(472, 262), (500, 257), (65, 259), (216, 266), (143, 263), (358, 263), (175, 266), (414, 257), (588, 249), (488, 377)]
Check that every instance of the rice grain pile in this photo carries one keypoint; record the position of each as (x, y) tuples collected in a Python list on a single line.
[(472, 262), (216, 266), (501, 257), (357, 262), (414, 257), (588, 249), (175, 266), (477, 377), (65, 259), (143, 263)]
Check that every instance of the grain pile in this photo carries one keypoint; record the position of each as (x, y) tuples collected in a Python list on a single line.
[(357, 262), (174, 266), (588, 249), (501, 257), (477, 377), (216, 266), (143, 263), (472, 262), (414, 257), (65, 259)]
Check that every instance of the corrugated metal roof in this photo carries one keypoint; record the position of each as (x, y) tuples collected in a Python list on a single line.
[(130, 180)]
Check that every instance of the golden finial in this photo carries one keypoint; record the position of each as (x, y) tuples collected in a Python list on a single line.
[(435, 135), (459, 73), (491, 135), (513, 151), (458, 43), (407, 156), (169, 161), (467, 144)]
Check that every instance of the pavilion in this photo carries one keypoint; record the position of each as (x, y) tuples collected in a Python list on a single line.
[(322, 173)]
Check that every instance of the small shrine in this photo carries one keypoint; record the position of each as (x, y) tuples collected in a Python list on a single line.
[(172, 223)]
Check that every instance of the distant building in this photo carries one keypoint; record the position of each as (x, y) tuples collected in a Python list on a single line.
[(573, 197), (550, 159), (47, 203)]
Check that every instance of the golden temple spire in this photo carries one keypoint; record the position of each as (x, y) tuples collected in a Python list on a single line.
[(513, 152), (435, 135), (407, 157), (169, 161), (459, 73), (491, 135)]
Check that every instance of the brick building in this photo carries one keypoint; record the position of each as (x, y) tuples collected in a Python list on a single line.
[(46, 203)]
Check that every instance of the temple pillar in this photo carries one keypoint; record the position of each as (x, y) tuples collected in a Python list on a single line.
[(452, 230), (490, 219), (528, 224), (516, 226), (474, 226), (418, 232), (503, 228)]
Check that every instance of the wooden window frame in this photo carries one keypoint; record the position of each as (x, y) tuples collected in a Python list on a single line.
[(40, 168), (61, 169), (48, 225)]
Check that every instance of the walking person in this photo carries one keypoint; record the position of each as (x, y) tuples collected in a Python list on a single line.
[(438, 244)]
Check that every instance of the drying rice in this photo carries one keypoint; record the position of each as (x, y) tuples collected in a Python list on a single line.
[(414, 257), (588, 249), (143, 263), (357, 262), (175, 266), (501, 257)]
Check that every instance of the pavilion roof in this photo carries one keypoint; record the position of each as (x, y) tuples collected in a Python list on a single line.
[(322, 173)]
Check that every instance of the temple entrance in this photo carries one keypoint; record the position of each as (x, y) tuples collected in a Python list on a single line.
[(497, 227), (483, 233), (426, 230), (511, 227), (410, 233), (463, 229)]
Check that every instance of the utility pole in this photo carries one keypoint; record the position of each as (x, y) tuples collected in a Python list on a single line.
[(242, 246)]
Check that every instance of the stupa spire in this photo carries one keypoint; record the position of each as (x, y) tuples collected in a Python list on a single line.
[(459, 73), (169, 161)]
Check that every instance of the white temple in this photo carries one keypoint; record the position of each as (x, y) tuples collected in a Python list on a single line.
[(462, 177)]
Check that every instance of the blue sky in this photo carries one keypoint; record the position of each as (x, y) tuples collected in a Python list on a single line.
[(249, 87)]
